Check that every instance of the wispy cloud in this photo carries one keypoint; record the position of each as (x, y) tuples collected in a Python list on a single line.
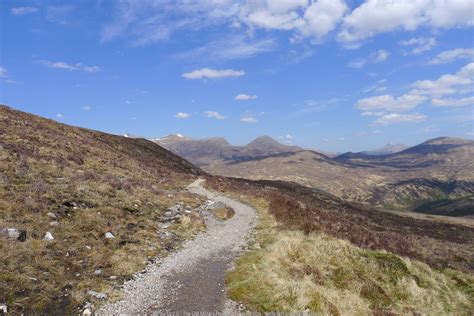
[(248, 118), (390, 103), (70, 67), (3, 72), (376, 87), (452, 55), (59, 13), (395, 118), (208, 73), (234, 47), (182, 115), (87, 108), (419, 45), (214, 115), (376, 57), (23, 10), (468, 101), (244, 97)]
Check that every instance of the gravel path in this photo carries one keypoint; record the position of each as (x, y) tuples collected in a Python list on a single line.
[(192, 279)]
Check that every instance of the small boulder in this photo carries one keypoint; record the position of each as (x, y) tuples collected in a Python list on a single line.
[(54, 224), (52, 215), (3, 308), (87, 312), (97, 295), (113, 277), (109, 235), (98, 272), (14, 233), (48, 236)]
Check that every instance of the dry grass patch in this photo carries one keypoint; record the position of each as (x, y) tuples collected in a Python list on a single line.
[(290, 271)]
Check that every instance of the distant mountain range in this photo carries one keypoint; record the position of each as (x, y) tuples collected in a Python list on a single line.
[(208, 151), (385, 150), (440, 169)]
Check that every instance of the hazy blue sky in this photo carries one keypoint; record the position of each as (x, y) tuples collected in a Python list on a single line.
[(330, 74)]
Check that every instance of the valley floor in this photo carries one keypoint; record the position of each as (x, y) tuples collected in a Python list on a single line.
[(192, 279)]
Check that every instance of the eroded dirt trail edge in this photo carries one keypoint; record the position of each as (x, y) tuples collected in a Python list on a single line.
[(192, 279)]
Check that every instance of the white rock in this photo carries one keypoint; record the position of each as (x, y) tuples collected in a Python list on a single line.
[(14, 233), (97, 295), (98, 272), (52, 215), (87, 312), (113, 277), (54, 224), (4, 308), (48, 236), (109, 235)]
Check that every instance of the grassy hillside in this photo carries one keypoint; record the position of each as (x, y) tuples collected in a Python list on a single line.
[(316, 253), (78, 185)]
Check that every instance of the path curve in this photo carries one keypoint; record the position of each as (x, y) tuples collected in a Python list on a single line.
[(192, 279)]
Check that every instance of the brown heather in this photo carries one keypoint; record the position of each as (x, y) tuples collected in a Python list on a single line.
[(94, 183)]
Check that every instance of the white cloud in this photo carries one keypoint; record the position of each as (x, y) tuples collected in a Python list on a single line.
[(456, 84), (87, 108), (468, 101), (3, 72), (376, 57), (452, 55), (214, 114), (70, 67), (447, 84), (419, 45), (380, 16), (245, 97), (286, 137), (59, 115), (23, 10), (381, 55), (394, 118), (182, 115), (248, 118), (212, 73), (389, 103), (321, 17), (148, 21)]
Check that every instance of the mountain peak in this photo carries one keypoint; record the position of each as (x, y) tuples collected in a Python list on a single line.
[(448, 141), (264, 140)]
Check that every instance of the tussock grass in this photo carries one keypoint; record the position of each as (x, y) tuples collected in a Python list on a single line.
[(289, 271)]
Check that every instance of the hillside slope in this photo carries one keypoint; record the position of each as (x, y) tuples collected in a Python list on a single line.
[(101, 197), (316, 253)]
